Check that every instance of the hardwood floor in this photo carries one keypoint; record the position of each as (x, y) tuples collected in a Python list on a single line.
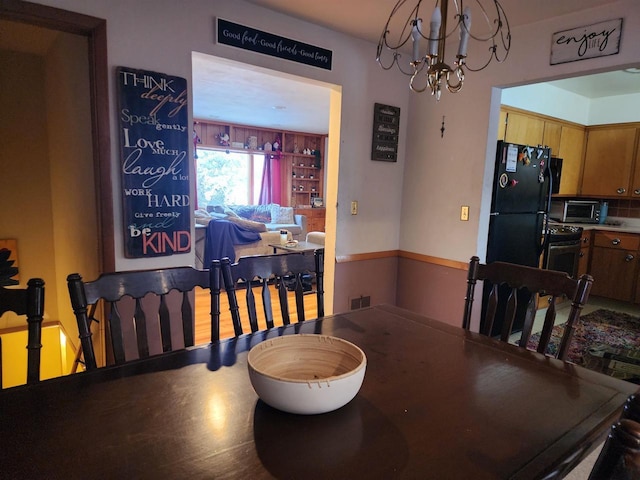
[(203, 319)]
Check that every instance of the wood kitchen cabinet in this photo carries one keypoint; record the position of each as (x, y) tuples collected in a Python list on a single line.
[(635, 181), (566, 140), (585, 252), (523, 129), (608, 161), (614, 265), (551, 136), (571, 151)]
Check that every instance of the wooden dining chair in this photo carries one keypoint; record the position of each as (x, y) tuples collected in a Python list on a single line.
[(287, 270), (29, 302), (536, 281), (134, 302), (619, 457)]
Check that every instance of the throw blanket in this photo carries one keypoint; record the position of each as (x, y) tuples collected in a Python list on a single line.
[(222, 235)]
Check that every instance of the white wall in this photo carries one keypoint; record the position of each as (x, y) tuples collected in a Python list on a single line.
[(549, 100), (442, 174), (553, 101), (161, 35), (618, 109)]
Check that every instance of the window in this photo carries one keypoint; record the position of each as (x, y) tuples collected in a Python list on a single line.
[(228, 178)]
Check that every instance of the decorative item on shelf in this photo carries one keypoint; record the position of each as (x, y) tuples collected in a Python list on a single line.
[(302, 164), (301, 176), (307, 151), (295, 148), (313, 189), (317, 162), (268, 147), (301, 188), (293, 174), (311, 176), (252, 143), (223, 139), (277, 148), (406, 22)]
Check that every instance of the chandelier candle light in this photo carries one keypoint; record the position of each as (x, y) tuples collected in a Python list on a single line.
[(437, 73)]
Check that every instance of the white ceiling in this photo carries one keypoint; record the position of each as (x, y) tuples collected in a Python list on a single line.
[(228, 91)]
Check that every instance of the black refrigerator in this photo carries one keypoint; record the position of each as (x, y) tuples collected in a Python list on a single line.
[(520, 201)]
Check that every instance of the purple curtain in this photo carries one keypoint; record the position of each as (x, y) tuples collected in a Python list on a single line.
[(270, 189)]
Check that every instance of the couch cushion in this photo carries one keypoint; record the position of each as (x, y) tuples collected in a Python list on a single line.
[(281, 214)]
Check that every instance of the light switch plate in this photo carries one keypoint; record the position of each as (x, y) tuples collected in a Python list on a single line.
[(464, 213)]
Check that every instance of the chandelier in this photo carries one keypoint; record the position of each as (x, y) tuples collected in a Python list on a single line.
[(429, 70)]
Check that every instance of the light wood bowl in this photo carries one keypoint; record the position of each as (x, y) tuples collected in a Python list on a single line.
[(306, 374)]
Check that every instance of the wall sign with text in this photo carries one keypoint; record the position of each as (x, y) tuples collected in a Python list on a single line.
[(154, 166), (386, 128), (248, 38), (592, 41)]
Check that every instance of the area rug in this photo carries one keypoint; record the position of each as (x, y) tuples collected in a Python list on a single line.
[(598, 337)]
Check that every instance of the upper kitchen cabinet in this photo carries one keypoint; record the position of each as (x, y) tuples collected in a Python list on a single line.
[(635, 182), (552, 136), (571, 150), (565, 139), (609, 160), (523, 128)]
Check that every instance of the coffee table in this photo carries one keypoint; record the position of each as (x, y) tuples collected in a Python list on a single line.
[(300, 247)]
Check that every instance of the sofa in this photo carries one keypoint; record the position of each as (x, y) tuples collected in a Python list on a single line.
[(260, 218)]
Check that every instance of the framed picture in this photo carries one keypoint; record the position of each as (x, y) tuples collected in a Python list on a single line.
[(317, 202)]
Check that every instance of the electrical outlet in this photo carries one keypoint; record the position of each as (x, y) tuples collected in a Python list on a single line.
[(464, 213), (354, 208)]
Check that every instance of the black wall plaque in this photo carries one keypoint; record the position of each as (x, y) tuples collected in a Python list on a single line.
[(154, 141), (247, 38), (386, 129)]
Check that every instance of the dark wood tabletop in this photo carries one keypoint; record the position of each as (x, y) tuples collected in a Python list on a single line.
[(436, 403)]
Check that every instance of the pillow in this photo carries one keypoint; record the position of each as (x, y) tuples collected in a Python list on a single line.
[(282, 215), (248, 224)]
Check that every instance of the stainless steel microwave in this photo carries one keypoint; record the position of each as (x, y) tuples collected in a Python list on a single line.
[(575, 211)]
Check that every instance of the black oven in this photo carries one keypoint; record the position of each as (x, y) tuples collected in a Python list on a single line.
[(562, 250)]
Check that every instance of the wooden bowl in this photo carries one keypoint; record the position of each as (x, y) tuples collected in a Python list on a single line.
[(306, 374)]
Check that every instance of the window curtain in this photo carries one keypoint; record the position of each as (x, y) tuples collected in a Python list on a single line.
[(270, 191)]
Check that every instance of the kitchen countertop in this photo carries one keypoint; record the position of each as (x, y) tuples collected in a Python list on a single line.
[(616, 224)]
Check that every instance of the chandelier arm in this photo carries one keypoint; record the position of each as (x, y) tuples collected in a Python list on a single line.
[(439, 75)]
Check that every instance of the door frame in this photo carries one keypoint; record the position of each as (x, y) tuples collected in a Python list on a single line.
[(95, 29)]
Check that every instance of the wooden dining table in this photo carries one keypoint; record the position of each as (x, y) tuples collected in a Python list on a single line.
[(437, 402)]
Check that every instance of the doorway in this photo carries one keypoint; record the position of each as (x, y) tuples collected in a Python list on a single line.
[(229, 91), (56, 148)]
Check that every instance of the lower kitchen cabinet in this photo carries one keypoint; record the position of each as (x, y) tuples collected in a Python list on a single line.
[(585, 252), (614, 265)]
